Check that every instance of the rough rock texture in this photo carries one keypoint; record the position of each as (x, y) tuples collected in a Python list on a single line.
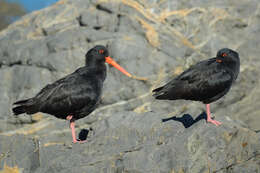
[(131, 142), (130, 131)]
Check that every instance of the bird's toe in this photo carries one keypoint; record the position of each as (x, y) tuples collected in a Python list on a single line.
[(217, 123)]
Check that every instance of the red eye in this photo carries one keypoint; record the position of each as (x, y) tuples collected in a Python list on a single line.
[(101, 51), (224, 54)]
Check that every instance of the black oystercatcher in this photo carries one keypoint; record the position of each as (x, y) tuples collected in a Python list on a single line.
[(206, 81), (74, 96)]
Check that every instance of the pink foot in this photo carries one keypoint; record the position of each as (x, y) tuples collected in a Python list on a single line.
[(78, 141), (217, 123), (209, 119)]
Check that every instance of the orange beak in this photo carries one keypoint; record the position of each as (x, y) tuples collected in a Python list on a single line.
[(109, 60)]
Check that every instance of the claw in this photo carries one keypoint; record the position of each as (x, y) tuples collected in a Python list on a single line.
[(217, 123)]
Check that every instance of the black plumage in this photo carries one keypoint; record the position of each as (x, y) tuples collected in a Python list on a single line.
[(206, 81), (74, 96)]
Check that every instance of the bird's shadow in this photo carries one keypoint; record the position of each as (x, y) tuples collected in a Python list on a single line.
[(83, 134), (186, 119)]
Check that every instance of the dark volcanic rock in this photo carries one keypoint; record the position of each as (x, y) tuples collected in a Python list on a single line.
[(131, 131)]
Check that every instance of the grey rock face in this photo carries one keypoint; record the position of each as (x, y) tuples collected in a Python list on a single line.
[(131, 142), (132, 132)]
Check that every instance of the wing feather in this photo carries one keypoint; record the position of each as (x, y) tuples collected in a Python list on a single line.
[(200, 82), (67, 95)]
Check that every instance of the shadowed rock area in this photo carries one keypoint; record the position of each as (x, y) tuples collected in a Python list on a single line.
[(131, 132)]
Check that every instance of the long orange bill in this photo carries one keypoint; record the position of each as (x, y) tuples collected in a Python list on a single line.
[(109, 60)]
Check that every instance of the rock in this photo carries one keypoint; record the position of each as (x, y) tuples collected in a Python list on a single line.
[(132, 132), (131, 142)]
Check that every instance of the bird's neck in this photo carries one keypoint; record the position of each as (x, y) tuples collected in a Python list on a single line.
[(102, 71), (233, 68), (98, 70)]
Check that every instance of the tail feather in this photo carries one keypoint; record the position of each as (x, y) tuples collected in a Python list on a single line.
[(157, 89), (20, 102), (158, 93), (19, 110), (24, 106), (163, 93)]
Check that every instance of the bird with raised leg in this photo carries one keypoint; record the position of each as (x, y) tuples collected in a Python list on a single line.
[(206, 81), (76, 95)]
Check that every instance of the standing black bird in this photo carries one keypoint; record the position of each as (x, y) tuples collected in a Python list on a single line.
[(74, 96), (206, 81)]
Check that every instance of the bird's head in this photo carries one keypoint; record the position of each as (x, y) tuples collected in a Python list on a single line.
[(227, 55), (96, 55), (99, 55)]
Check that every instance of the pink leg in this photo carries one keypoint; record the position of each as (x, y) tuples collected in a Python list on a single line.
[(72, 126), (209, 119)]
